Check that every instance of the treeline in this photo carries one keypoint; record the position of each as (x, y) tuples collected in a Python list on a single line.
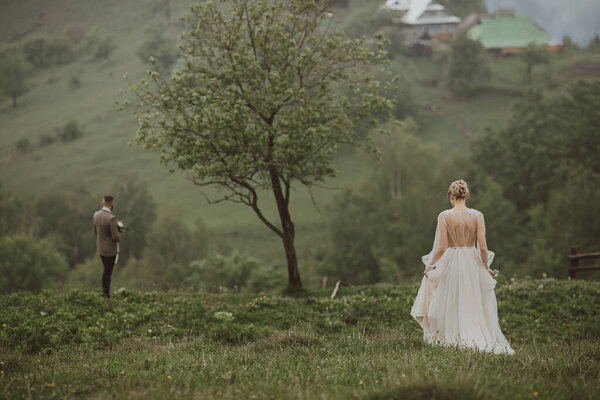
[(49, 244), (537, 181)]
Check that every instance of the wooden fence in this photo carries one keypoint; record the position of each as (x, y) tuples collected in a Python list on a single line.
[(574, 258)]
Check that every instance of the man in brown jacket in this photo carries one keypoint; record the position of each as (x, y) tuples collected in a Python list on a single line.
[(107, 239)]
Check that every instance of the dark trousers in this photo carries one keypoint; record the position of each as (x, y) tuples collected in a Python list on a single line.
[(109, 264)]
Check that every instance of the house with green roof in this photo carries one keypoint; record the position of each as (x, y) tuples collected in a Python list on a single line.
[(508, 34)]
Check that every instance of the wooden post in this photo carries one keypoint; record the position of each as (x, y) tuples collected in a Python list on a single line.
[(324, 283), (574, 262)]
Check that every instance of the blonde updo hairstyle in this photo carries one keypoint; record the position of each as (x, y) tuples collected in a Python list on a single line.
[(458, 189)]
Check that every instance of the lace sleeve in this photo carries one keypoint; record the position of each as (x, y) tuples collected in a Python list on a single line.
[(481, 243), (443, 239)]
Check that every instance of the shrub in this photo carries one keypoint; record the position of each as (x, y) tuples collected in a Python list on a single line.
[(29, 264), (46, 140), (160, 47), (22, 145), (218, 271), (69, 132), (74, 83)]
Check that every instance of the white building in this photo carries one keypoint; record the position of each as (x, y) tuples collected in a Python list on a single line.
[(424, 16)]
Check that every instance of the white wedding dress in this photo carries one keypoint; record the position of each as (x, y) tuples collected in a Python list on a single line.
[(456, 303)]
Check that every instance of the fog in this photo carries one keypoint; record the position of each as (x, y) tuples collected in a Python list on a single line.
[(576, 18)]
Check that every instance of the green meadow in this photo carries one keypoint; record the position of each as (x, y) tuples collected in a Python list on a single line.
[(362, 345)]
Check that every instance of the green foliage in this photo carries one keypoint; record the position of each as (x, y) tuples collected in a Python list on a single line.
[(172, 242), (594, 44), (159, 47), (99, 45), (69, 132), (468, 69), (533, 55), (65, 219), (550, 176), (42, 52), (29, 264), (218, 272), (362, 344), (12, 214), (533, 154), (14, 70), (23, 145), (137, 208), (380, 231), (255, 107)]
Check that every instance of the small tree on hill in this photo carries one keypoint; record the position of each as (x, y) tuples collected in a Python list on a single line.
[(532, 55), (594, 44), (13, 72), (468, 68), (255, 109)]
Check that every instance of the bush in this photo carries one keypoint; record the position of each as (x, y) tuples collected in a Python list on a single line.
[(46, 140), (29, 264), (218, 272), (22, 145), (74, 83), (468, 69), (69, 132)]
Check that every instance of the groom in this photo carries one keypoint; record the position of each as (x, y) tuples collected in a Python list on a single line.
[(107, 239)]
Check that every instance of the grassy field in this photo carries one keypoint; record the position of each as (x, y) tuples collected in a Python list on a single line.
[(363, 344)]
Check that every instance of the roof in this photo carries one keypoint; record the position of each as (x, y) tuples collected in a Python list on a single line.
[(397, 5), (508, 32), (417, 8), (418, 14)]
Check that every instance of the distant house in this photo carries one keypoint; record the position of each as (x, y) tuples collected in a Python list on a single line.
[(509, 34), (430, 17)]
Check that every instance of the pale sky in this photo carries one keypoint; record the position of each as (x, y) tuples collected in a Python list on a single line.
[(579, 19)]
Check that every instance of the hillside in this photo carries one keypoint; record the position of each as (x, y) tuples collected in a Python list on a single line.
[(363, 344), (103, 157)]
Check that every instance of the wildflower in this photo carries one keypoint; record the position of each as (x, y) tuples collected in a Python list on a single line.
[(363, 299), (535, 394), (169, 377), (122, 372), (404, 375), (49, 384), (360, 383), (1, 372), (260, 298), (4, 325)]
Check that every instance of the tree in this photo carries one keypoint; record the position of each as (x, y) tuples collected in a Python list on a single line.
[(533, 153), (29, 264), (255, 110), (532, 55), (137, 208), (468, 69), (594, 44), (13, 72), (65, 219)]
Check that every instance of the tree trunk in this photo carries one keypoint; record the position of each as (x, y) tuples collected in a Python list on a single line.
[(294, 281)]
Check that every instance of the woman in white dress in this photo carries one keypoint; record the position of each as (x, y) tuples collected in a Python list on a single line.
[(456, 303)]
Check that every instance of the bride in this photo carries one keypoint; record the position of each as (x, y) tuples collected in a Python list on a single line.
[(456, 303)]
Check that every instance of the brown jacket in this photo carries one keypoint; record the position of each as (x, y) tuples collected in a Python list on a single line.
[(107, 234)]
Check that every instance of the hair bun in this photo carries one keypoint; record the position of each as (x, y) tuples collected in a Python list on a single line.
[(458, 189)]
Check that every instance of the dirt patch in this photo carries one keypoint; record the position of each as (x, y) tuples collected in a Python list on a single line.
[(582, 69)]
